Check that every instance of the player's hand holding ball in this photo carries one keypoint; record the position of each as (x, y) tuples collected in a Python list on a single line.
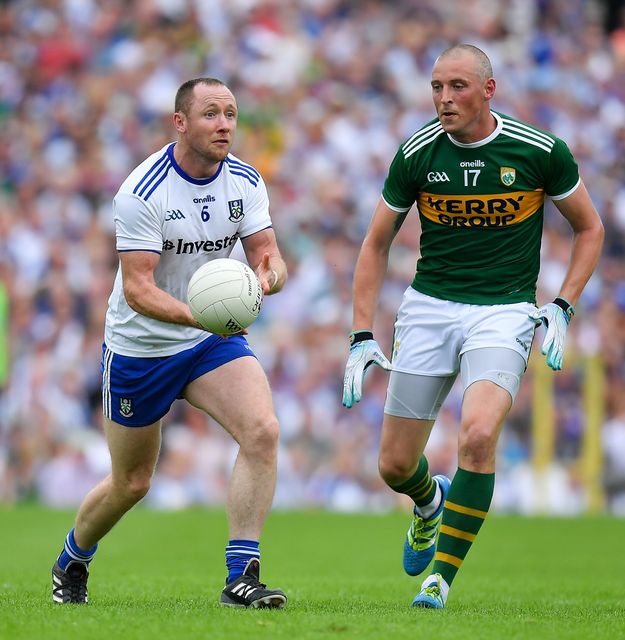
[(267, 276), (225, 296)]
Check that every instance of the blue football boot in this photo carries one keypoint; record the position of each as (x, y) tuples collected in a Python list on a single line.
[(433, 593), (420, 542)]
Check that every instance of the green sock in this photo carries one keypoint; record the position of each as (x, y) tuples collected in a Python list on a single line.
[(420, 487), (466, 507)]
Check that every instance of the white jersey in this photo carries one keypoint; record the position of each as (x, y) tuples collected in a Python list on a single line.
[(188, 222)]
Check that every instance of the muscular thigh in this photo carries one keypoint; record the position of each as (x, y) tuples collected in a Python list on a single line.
[(416, 396), (403, 441), (502, 367), (236, 395), (132, 448)]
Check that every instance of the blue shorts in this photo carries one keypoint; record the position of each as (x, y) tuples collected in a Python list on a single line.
[(137, 392)]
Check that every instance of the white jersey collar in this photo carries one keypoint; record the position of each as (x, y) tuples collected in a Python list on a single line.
[(479, 143)]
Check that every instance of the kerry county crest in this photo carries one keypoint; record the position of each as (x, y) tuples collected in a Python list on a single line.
[(507, 175), (236, 210)]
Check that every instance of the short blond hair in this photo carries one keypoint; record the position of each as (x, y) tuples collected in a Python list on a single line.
[(484, 67)]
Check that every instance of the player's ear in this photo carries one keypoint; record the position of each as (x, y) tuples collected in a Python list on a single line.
[(180, 121), (489, 88)]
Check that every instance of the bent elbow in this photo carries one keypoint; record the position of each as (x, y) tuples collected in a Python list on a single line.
[(598, 234), (133, 298)]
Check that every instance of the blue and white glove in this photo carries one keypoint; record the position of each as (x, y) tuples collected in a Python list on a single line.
[(555, 316), (363, 352)]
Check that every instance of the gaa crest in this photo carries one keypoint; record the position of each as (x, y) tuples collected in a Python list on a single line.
[(125, 407), (236, 210), (507, 175)]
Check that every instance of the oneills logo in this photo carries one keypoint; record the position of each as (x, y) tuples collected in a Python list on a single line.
[(485, 211)]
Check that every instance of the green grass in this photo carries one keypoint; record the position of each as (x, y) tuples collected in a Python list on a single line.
[(158, 575)]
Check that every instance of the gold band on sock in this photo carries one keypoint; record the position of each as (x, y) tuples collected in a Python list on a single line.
[(457, 533), (449, 559), (466, 510)]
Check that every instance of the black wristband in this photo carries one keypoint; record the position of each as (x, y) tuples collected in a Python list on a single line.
[(359, 336), (566, 306)]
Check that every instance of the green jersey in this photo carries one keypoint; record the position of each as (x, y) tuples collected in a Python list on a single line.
[(481, 207)]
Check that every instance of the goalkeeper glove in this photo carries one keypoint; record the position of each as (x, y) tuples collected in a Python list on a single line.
[(555, 316), (364, 351)]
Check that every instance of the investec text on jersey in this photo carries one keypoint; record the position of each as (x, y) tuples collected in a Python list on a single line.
[(195, 246)]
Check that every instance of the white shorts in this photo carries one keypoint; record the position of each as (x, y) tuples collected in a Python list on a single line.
[(431, 334)]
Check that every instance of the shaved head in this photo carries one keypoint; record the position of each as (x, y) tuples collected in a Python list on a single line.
[(483, 67), (462, 85)]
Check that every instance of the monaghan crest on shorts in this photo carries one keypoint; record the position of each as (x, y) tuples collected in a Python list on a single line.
[(236, 210), (125, 407)]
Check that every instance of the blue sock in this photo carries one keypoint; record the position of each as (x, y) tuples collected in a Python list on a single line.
[(238, 554), (72, 551)]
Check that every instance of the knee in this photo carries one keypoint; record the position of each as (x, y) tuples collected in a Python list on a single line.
[(261, 438), (134, 487), (477, 446), (395, 470)]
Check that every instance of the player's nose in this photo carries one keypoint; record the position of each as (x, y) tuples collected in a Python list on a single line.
[(446, 95), (223, 123)]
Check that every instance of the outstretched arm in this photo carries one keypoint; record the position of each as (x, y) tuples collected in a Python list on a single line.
[(372, 264), (588, 234), (587, 242), (371, 268)]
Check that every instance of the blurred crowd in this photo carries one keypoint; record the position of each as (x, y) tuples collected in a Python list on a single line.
[(327, 90)]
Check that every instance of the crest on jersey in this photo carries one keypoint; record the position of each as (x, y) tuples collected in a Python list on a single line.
[(236, 210), (125, 407), (507, 175)]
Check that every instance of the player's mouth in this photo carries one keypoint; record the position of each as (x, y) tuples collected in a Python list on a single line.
[(448, 114)]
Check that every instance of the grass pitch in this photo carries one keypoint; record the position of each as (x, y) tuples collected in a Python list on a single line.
[(159, 575)]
